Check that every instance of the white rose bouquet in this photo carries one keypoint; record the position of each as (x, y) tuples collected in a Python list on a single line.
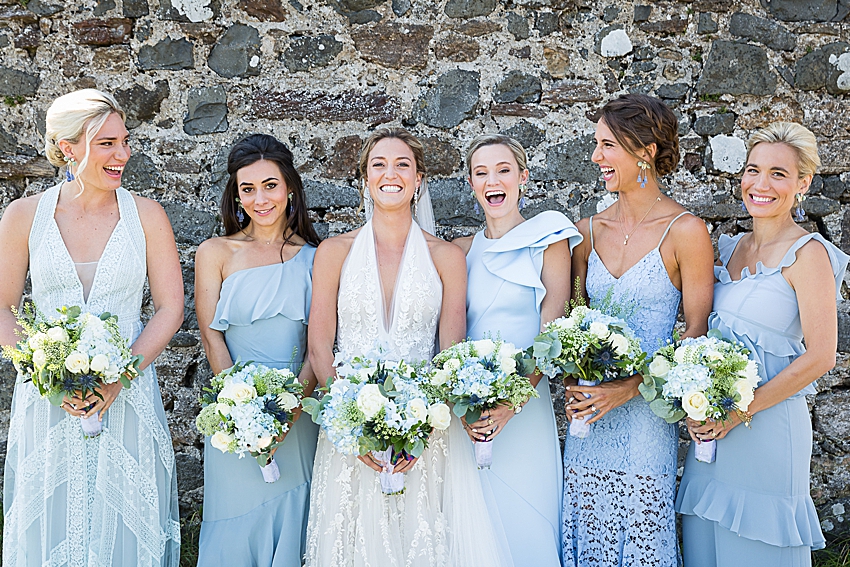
[(384, 407), (72, 354), (703, 378), (247, 409), (479, 375)]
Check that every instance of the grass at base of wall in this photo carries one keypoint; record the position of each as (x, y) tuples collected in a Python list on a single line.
[(190, 531), (836, 554)]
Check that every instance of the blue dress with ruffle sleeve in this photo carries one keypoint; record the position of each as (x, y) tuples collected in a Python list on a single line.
[(263, 314), (752, 505)]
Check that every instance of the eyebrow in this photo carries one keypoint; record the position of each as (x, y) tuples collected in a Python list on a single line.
[(261, 182), (385, 159), (775, 168), (607, 140), (111, 138), (497, 164)]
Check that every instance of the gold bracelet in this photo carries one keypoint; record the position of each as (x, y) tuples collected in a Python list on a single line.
[(745, 416)]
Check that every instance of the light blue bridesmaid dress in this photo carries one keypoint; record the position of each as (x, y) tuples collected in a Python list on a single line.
[(620, 481), (752, 506), (523, 486), (263, 314)]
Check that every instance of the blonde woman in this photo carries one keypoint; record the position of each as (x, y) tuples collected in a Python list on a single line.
[(110, 500), (776, 292)]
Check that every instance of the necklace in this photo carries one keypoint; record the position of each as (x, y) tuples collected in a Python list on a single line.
[(620, 220)]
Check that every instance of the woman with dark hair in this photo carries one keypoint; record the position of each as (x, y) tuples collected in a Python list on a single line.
[(639, 259), (252, 296)]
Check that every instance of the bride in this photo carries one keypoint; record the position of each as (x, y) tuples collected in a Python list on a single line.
[(393, 284)]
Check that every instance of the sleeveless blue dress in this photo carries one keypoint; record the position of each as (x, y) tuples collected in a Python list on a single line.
[(263, 314), (752, 506), (523, 486), (620, 481)]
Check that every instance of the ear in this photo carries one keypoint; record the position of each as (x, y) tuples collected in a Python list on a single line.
[(66, 147), (805, 184), (648, 153), (523, 177), (418, 179)]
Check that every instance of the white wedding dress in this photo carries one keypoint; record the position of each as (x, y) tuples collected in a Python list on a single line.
[(441, 518), (101, 502)]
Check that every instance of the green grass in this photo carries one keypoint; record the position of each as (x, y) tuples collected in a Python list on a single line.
[(836, 554), (190, 531)]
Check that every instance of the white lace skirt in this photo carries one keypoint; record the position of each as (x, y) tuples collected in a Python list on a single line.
[(439, 521)]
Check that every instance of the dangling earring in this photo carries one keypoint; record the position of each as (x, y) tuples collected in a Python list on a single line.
[(744, 207), (71, 163), (289, 205), (416, 202), (240, 216), (475, 208), (522, 189), (799, 213), (643, 167)]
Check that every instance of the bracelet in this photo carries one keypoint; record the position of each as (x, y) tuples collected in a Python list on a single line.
[(745, 416)]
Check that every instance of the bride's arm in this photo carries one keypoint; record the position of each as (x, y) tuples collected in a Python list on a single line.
[(450, 262), (321, 332), (15, 225)]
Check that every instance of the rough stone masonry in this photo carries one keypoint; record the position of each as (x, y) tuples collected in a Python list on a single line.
[(196, 75)]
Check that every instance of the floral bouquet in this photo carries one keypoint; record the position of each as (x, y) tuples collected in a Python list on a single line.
[(480, 375), (384, 407), (247, 408), (590, 345), (704, 378), (72, 355)]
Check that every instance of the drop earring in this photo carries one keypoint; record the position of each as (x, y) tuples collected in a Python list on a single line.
[(289, 204), (71, 163), (522, 190), (240, 216), (475, 208), (744, 207), (642, 173), (799, 212)]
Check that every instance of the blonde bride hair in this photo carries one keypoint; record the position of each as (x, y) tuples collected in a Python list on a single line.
[(73, 115)]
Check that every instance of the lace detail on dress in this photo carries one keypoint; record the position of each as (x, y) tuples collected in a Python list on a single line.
[(111, 500)]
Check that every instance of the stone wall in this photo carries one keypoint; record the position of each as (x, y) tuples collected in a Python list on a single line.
[(196, 75)]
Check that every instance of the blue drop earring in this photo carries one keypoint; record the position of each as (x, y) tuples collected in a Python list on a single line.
[(522, 189), (240, 216), (642, 173), (71, 163), (799, 212), (475, 208), (744, 207)]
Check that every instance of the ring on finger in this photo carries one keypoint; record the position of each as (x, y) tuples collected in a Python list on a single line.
[(593, 409), (571, 400), (489, 421)]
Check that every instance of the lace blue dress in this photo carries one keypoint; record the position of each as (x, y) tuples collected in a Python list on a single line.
[(752, 505), (620, 481), (505, 292), (263, 314)]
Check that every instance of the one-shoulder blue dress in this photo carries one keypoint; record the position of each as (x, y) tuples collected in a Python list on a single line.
[(263, 314), (752, 506), (523, 486)]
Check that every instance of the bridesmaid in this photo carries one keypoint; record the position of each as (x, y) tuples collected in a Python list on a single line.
[(519, 279), (252, 294), (776, 290), (638, 260)]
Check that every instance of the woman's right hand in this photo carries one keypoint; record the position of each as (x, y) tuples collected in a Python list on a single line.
[(402, 467), (571, 397), (75, 405)]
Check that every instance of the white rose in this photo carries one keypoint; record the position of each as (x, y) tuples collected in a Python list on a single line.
[(77, 362), (695, 405), (223, 409), (599, 329), (239, 392), (439, 416), (679, 354), (713, 355), (751, 373), (659, 367), (39, 358), (112, 370), (620, 343), (364, 374), (568, 322), (99, 363), (221, 441), (58, 334), (288, 401), (744, 388), (507, 349), (417, 410), (508, 365), (370, 400), (36, 341), (484, 347), (440, 377), (264, 442), (452, 364)]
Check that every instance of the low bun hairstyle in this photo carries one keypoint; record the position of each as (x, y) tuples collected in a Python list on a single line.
[(248, 151), (639, 120)]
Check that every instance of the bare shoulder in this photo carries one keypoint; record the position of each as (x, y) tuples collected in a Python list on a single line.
[(812, 256), (445, 253), (336, 247), (688, 225), (150, 211), (22, 211), (465, 243), (214, 250)]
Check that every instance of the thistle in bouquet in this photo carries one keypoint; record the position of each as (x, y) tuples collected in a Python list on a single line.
[(478, 376), (248, 409), (380, 407), (702, 378), (71, 357), (589, 345)]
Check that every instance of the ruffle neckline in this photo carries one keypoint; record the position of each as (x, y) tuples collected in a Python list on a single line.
[(770, 341), (784, 521), (275, 289)]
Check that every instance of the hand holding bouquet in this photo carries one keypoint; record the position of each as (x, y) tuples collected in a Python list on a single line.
[(703, 378), (247, 409), (480, 375), (72, 355)]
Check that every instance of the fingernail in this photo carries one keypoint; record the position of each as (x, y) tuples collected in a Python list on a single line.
[(567, 388), (474, 430)]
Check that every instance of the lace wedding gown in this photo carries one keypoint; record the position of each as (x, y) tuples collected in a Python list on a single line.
[(441, 518), (110, 500)]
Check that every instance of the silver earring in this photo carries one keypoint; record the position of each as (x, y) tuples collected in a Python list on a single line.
[(522, 189), (799, 212), (71, 163)]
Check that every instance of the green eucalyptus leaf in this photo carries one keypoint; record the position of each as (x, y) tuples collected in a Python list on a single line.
[(714, 334), (472, 415), (263, 459), (57, 397), (460, 409), (648, 392), (418, 448)]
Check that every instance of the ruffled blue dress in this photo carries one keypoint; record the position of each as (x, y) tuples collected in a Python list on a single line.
[(620, 481), (523, 487), (752, 506), (263, 314)]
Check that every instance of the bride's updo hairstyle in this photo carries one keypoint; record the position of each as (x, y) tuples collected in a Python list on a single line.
[(797, 137), (249, 151), (485, 140), (639, 120), (383, 133), (72, 116)]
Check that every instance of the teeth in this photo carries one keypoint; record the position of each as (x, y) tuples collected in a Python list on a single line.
[(114, 167), (391, 189), (607, 169), (492, 193), (761, 199)]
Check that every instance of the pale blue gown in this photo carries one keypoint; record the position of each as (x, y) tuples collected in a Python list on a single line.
[(263, 314), (523, 486), (620, 481), (752, 506)]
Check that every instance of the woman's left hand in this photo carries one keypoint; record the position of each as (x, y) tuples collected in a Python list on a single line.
[(712, 430), (109, 393), (603, 398), (491, 423)]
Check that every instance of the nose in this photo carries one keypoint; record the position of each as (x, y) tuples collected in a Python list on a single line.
[(492, 178), (260, 196), (123, 152), (596, 157)]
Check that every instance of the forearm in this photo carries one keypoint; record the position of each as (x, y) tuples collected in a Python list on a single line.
[(8, 326), (216, 350), (307, 378), (322, 364), (157, 333), (796, 376)]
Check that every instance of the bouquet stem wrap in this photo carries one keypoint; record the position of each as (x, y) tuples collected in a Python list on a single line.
[(391, 483), (484, 454), (270, 472), (92, 426), (579, 426), (706, 451)]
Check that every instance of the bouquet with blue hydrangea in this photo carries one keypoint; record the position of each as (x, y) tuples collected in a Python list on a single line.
[(384, 407), (72, 354), (701, 378), (247, 409), (479, 375)]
